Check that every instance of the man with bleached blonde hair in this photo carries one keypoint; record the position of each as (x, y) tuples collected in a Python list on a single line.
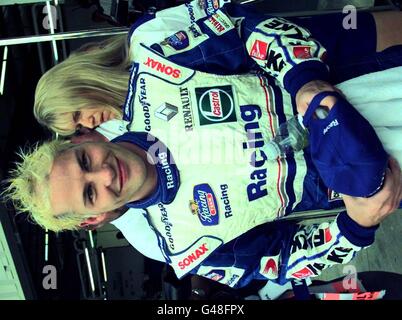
[(66, 186)]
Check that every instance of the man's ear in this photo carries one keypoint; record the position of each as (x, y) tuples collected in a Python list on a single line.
[(100, 220), (95, 222), (88, 136)]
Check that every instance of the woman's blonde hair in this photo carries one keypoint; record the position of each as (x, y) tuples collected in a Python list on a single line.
[(94, 76), (28, 187)]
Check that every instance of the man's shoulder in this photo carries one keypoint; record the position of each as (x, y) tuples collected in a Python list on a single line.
[(151, 28), (135, 227)]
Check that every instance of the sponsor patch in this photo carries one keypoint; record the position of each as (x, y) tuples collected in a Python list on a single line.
[(190, 10), (333, 196), (276, 60), (340, 255), (193, 207), (256, 188), (162, 68), (186, 109), (259, 50), (226, 275), (269, 267), (183, 40), (192, 257), (215, 105), (166, 111), (215, 275), (328, 235), (142, 97), (205, 205), (195, 31), (233, 280), (226, 201), (302, 52), (168, 226), (303, 273), (178, 41), (165, 165), (210, 6), (219, 23), (333, 124)]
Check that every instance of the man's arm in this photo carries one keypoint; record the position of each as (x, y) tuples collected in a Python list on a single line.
[(233, 39), (281, 48), (282, 251)]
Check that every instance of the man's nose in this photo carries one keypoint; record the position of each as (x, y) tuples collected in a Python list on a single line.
[(104, 175)]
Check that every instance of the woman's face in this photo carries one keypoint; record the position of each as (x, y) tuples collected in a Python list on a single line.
[(91, 118)]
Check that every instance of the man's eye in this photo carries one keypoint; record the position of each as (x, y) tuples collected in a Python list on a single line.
[(85, 162)]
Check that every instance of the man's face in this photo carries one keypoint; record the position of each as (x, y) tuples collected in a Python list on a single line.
[(94, 178)]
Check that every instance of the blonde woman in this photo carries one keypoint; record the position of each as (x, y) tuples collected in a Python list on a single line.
[(86, 89), (90, 87)]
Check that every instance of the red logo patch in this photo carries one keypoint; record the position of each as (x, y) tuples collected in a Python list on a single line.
[(328, 235), (215, 101), (270, 265), (193, 257), (303, 273), (163, 68), (259, 50), (217, 24), (302, 52), (211, 204)]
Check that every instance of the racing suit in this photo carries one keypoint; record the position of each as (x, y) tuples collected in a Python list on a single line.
[(227, 41)]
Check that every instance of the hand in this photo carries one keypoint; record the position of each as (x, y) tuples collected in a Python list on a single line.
[(369, 212), (310, 90)]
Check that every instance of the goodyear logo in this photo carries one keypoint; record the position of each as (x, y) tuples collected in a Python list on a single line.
[(205, 205), (215, 105)]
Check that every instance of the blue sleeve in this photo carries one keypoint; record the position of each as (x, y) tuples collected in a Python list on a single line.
[(283, 251), (232, 39), (283, 49)]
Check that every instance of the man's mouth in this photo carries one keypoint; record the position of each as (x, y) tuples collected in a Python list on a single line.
[(122, 173)]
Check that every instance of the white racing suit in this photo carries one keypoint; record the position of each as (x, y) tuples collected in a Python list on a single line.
[(216, 227)]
